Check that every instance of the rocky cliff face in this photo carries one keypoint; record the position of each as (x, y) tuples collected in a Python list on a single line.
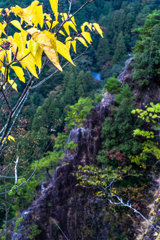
[(66, 211)]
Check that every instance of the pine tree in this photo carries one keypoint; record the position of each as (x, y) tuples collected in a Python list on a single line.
[(90, 81), (120, 49), (81, 81), (69, 97), (80, 91), (102, 54), (129, 22)]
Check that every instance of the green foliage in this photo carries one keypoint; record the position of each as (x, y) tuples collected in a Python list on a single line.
[(117, 132), (19, 220), (35, 231), (113, 85), (150, 114), (43, 170), (146, 50), (124, 93), (149, 148), (61, 140), (78, 113), (120, 49), (71, 145)]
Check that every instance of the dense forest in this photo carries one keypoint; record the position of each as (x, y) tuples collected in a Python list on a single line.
[(118, 178)]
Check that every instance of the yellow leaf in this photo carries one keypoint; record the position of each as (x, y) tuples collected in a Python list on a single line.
[(66, 27), (87, 36), (56, 15), (86, 24), (14, 85), (11, 138), (37, 16), (28, 60), (68, 24), (47, 16), (68, 38), (16, 24), (2, 54), (21, 13), (33, 30), (61, 32), (73, 20), (54, 5), (54, 23), (74, 45), (82, 41), (99, 30), (9, 55), (47, 42), (36, 51), (19, 72), (68, 44), (71, 24), (2, 27), (7, 11), (64, 16), (64, 51)]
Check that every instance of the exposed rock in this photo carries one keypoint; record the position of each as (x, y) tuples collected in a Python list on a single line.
[(126, 75), (64, 210), (62, 204)]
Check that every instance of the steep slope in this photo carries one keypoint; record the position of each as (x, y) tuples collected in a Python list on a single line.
[(63, 210), (61, 200)]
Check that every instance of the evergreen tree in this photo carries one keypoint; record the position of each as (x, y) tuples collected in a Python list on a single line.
[(90, 81), (81, 81), (120, 49), (80, 91), (129, 22), (69, 97), (122, 21), (102, 54)]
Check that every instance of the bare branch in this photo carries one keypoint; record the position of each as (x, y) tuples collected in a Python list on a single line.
[(16, 164), (121, 203), (6, 100)]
